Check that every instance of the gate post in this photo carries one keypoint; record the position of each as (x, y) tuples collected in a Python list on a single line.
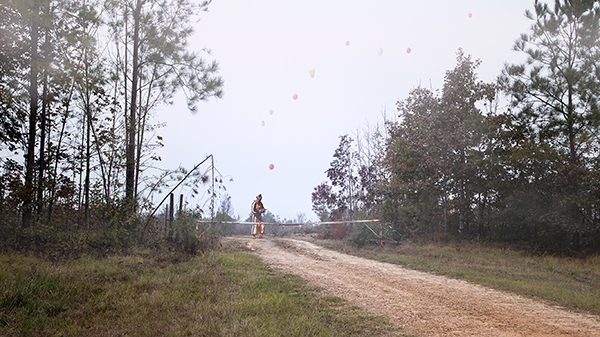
[(380, 235)]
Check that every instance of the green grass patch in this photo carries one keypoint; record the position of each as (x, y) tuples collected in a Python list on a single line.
[(567, 282), (222, 293)]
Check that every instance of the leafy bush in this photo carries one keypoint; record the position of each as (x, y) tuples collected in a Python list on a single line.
[(184, 233), (361, 236), (191, 236)]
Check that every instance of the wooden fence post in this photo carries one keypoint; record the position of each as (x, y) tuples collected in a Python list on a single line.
[(180, 205), (166, 219), (171, 208)]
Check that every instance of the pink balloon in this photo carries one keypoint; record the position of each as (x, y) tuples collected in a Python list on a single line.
[(295, 97), (271, 166), (347, 43), (470, 15), (408, 50)]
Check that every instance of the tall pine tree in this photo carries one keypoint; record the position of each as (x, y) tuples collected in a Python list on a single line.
[(554, 98)]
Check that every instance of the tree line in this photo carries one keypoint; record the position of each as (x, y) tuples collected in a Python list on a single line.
[(514, 160), (80, 82)]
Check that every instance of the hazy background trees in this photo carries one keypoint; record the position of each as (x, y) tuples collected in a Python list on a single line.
[(79, 83), (151, 62), (457, 166)]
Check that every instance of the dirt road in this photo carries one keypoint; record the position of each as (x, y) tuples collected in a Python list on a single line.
[(421, 303)]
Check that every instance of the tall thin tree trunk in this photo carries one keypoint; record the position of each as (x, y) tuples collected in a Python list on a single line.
[(57, 154), (86, 216), (44, 117), (88, 116), (140, 140), (33, 110), (131, 132), (42, 160), (143, 119), (573, 174), (81, 195)]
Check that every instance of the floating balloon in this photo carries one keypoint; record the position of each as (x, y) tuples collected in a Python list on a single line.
[(271, 111), (380, 51), (311, 71), (271, 166), (295, 97), (347, 43), (408, 50), (262, 123), (470, 15)]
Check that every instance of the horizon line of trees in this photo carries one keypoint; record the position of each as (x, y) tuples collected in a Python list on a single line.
[(459, 162)]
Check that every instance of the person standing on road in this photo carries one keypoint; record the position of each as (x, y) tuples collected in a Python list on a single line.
[(257, 223)]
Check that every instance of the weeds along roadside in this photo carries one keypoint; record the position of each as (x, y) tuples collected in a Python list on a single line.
[(223, 292), (573, 283)]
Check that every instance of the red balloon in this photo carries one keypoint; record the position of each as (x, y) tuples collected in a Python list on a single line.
[(470, 15), (295, 97), (347, 43), (408, 50), (271, 166)]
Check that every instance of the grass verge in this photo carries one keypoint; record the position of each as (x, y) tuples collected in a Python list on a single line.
[(222, 293), (566, 282)]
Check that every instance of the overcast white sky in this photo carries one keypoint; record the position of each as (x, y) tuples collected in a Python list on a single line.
[(265, 49)]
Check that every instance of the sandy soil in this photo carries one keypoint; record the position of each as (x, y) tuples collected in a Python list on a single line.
[(421, 303)]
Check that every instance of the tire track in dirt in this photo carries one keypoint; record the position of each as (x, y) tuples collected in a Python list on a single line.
[(421, 303)]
